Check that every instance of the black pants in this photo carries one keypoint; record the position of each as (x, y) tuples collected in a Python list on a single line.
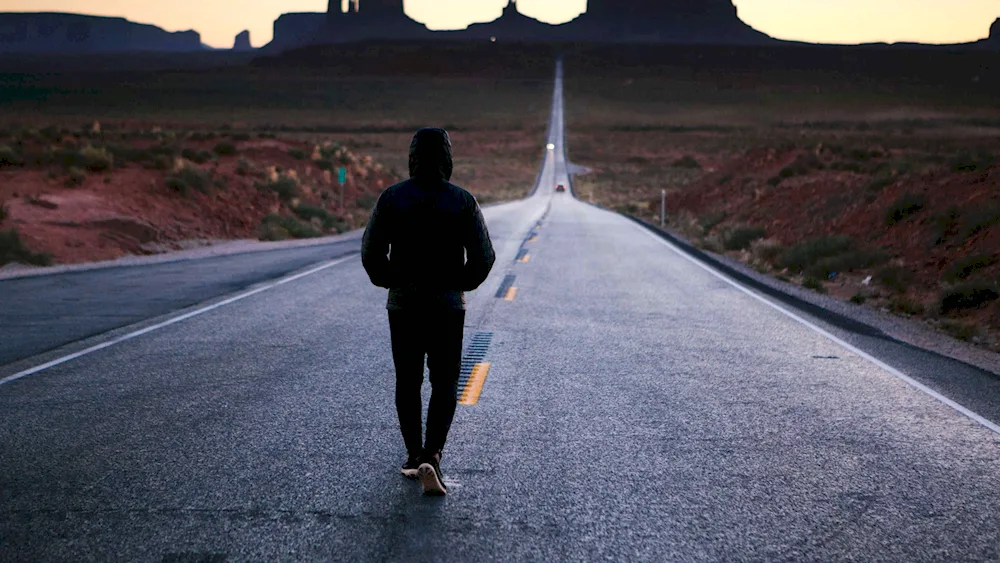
[(438, 335)]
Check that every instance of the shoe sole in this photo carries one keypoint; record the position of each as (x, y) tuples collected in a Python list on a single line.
[(430, 481), (409, 473)]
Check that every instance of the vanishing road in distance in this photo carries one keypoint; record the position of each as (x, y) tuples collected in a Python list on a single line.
[(637, 405)]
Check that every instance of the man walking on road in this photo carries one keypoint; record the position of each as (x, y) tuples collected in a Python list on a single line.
[(427, 243)]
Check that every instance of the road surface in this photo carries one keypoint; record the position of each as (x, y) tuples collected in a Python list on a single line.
[(637, 406)]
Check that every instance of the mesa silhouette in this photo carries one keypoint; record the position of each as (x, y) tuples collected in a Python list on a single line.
[(605, 21), (50, 32)]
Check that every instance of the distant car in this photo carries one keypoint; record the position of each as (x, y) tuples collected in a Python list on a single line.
[(551, 146), (560, 188)]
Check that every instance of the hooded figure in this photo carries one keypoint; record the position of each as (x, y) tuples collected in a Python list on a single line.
[(427, 243), (439, 243)]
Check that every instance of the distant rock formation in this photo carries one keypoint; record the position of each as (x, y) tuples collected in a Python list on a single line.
[(605, 21), (74, 33), (512, 25), (297, 29), (242, 42), (665, 21), (995, 32)]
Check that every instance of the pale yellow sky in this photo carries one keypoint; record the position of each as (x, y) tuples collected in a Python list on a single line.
[(827, 21)]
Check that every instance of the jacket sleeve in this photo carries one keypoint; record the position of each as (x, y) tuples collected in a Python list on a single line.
[(478, 249), (375, 244)]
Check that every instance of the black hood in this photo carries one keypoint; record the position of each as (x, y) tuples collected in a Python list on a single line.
[(430, 154)]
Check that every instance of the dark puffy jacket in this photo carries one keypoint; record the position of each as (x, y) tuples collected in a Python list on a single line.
[(427, 240)]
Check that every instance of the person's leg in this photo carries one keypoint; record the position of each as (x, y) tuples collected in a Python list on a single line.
[(408, 356), (444, 359)]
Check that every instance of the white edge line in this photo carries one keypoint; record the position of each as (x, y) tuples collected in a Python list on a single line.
[(168, 322), (895, 372)]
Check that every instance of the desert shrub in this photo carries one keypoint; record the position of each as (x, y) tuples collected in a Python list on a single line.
[(196, 156), (709, 221), (907, 204), (325, 164), (75, 176), (806, 253), (240, 137), (225, 149), (178, 185), (740, 238), (863, 154), (202, 136), (979, 219), (157, 157), (308, 212), (244, 168), (944, 224), (814, 284), (168, 150), (895, 278), (960, 330), (96, 159), (628, 209), (766, 251), (688, 162), (162, 162), (10, 157), (845, 262), (368, 201), (266, 136), (12, 249), (188, 178), (803, 164), (971, 161), (824, 256), (964, 267), (297, 153), (125, 154), (330, 150), (858, 298), (905, 306), (848, 166), (279, 227), (880, 183), (968, 295), (285, 186)]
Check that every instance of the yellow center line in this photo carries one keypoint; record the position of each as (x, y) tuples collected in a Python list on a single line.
[(532, 239), (525, 258), (474, 386), (511, 292)]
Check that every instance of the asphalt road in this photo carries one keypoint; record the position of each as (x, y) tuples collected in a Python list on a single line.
[(638, 407)]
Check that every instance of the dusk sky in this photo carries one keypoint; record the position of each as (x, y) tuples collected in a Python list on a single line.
[(827, 21)]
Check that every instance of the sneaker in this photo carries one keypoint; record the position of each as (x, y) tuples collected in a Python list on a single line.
[(431, 477), (409, 469)]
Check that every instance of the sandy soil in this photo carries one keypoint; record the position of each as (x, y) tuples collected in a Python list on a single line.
[(132, 209)]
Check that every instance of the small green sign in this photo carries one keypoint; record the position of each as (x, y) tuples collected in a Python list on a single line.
[(342, 175)]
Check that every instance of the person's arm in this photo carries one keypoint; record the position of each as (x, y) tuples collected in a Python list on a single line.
[(478, 249), (375, 244)]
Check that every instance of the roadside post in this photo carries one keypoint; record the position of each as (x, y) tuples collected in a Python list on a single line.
[(342, 180), (663, 208)]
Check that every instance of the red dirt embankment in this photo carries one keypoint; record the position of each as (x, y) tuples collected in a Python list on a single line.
[(914, 233), (79, 197)]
